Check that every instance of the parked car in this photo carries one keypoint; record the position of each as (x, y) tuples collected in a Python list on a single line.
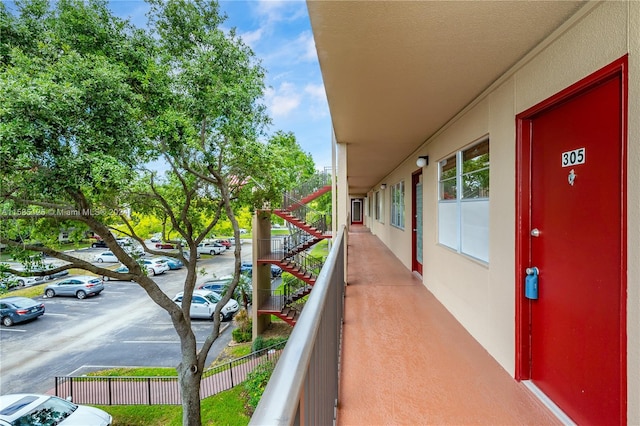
[(171, 262), (121, 269), (210, 248), (10, 280), (134, 250), (53, 276), (154, 266), (79, 286), (165, 246), (220, 286), (186, 255), (106, 257), (203, 305), (225, 243), (99, 244), (276, 271), (247, 269), (217, 286), (35, 409), (124, 241), (19, 309)]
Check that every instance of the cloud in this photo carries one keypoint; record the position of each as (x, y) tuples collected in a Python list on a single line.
[(317, 104), (283, 100), (251, 38), (311, 54), (316, 91), (274, 11)]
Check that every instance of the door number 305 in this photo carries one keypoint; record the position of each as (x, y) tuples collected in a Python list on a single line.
[(571, 158)]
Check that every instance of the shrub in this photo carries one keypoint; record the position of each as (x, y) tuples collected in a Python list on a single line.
[(258, 344), (243, 332), (256, 382), (240, 336)]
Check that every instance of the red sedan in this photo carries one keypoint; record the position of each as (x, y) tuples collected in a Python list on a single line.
[(165, 246), (225, 243)]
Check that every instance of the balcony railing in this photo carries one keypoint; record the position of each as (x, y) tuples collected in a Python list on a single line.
[(101, 390), (312, 217), (313, 183), (307, 372)]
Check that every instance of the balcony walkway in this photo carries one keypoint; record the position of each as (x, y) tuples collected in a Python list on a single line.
[(407, 361)]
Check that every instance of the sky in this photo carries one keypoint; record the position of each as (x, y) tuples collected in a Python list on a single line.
[(279, 33)]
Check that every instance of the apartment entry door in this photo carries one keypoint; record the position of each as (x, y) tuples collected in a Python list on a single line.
[(356, 211), (572, 209)]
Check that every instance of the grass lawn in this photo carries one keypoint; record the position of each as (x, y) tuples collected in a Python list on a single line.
[(321, 249), (225, 408), (6, 257), (33, 291)]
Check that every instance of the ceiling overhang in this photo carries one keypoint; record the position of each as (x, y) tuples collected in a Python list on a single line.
[(397, 71)]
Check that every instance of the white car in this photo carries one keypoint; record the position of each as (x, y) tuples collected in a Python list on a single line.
[(35, 409), (134, 250), (203, 305), (10, 280), (155, 266), (211, 248), (106, 257)]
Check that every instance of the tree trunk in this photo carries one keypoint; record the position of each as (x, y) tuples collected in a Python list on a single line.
[(189, 377)]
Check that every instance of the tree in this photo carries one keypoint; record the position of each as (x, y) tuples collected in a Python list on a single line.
[(87, 101)]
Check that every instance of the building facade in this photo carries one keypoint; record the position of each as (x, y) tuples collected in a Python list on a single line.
[(523, 215)]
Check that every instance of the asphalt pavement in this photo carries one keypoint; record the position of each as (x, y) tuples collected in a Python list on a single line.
[(121, 327)]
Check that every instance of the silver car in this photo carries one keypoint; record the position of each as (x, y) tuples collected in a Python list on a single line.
[(79, 286), (35, 409), (106, 257), (203, 305)]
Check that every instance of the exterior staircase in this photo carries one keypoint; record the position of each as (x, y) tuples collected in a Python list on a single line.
[(307, 228)]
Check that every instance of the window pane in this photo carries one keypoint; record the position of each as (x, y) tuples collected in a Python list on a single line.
[(397, 205), (475, 166), (475, 229), (448, 224), (448, 179), (476, 154), (448, 190)]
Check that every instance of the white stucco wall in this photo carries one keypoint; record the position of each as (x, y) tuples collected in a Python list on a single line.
[(481, 296), (633, 218)]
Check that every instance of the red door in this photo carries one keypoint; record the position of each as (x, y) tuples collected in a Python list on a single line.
[(356, 211), (576, 240)]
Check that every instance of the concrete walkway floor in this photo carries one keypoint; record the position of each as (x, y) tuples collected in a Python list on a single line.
[(407, 361)]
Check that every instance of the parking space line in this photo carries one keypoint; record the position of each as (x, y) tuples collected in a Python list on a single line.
[(15, 330)]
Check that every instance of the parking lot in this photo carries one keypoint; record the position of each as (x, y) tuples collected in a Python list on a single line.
[(121, 326)]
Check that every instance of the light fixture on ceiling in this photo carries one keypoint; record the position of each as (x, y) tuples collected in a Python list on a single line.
[(422, 161), (383, 186)]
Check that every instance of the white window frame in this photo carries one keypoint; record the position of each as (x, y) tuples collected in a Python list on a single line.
[(463, 223), (397, 205)]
